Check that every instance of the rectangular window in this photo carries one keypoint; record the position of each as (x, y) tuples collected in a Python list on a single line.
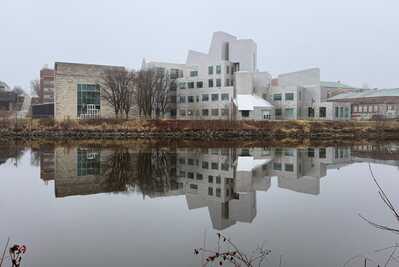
[(322, 112), (194, 186), (182, 161), (224, 166), (347, 112), (311, 152), (336, 112), (218, 180), (245, 113), (322, 153), (88, 96), (200, 176), (218, 83), (182, 85), (218, 69), (205, 112), (197, 98), (227, 82), (215, 166), (355, 108), (190, 85), (193, 73), (215, 97), (88, 162), (210, 83), (215, 112), (182, 99), (190, 175), (205, 165), (278, 112), (218, 192), (225, 97), (210, 70), (277, 97), (311, 112), (289, 167), (225, 111), (289, 112), (289, 96), (210, 191), (190, 162), (190, 99), (205, 98), (183, 112), (227, 69), (200, 84), (277, 166), (210, 179)]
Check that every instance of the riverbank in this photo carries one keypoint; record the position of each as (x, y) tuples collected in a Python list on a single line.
[(199, 130)]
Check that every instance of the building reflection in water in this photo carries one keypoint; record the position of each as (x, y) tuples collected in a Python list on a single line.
[(225, 180)]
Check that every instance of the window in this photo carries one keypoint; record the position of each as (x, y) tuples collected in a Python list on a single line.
[(190, 112), (218, 69), (311, 152), (197, 98), (225, 97), (322, 112), (190, 161), (182, 99), (277, 166), (289, 167), (347, 112), (277, 97), (225, 112), (182, 174), (210, 83), (190, 85), (190, 99), (311, 112), (210, 191), (182, 112), (278, 112), (182, 161), (289, 112), (215, 112), (205, 165), (215, 97), (341, 112), (215, 166), (193, 73), (245, 113), (88, 99), (224, 166), (336, 112), (289, 96), (322, 153), (190, 175), (218, 192), (200, 84), (227, 69), (218, 180), (88, 162), (193, 186), (205, 98), (375, 108), (355, 108), (200, 176), (210, 70), (205, 112), (227, 82), (210, 179), (218, 83), (182, 85)]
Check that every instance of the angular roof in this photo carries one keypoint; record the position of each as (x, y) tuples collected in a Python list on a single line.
[(335, 85), (249, 102), (366, 94)]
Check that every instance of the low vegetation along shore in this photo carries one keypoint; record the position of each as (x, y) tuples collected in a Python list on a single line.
[(218, 130)]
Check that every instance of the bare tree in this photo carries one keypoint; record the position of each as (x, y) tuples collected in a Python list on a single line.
[(117, 87), (35, 87), (151, 95)]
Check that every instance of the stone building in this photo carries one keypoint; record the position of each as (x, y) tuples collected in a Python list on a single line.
[(78, 91), (46, 92)]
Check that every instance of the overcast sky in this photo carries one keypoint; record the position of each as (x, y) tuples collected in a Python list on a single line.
[(354, 41)]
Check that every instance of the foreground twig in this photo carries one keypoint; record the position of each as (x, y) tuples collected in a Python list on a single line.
[(4, 252)]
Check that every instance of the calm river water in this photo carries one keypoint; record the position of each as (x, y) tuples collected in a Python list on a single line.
[(141, 205)]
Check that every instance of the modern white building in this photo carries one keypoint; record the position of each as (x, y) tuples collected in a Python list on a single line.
[(224, 83)]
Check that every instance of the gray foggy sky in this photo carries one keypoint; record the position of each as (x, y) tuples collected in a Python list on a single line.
[(355, 41)]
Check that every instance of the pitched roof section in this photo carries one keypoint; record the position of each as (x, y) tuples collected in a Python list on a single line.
[(250, 102), (335, 85), (366, 94)]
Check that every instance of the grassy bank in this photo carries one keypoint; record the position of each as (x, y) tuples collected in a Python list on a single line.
[(172, 129)]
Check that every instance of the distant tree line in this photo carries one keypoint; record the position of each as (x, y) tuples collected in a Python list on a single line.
[(144, 91)]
